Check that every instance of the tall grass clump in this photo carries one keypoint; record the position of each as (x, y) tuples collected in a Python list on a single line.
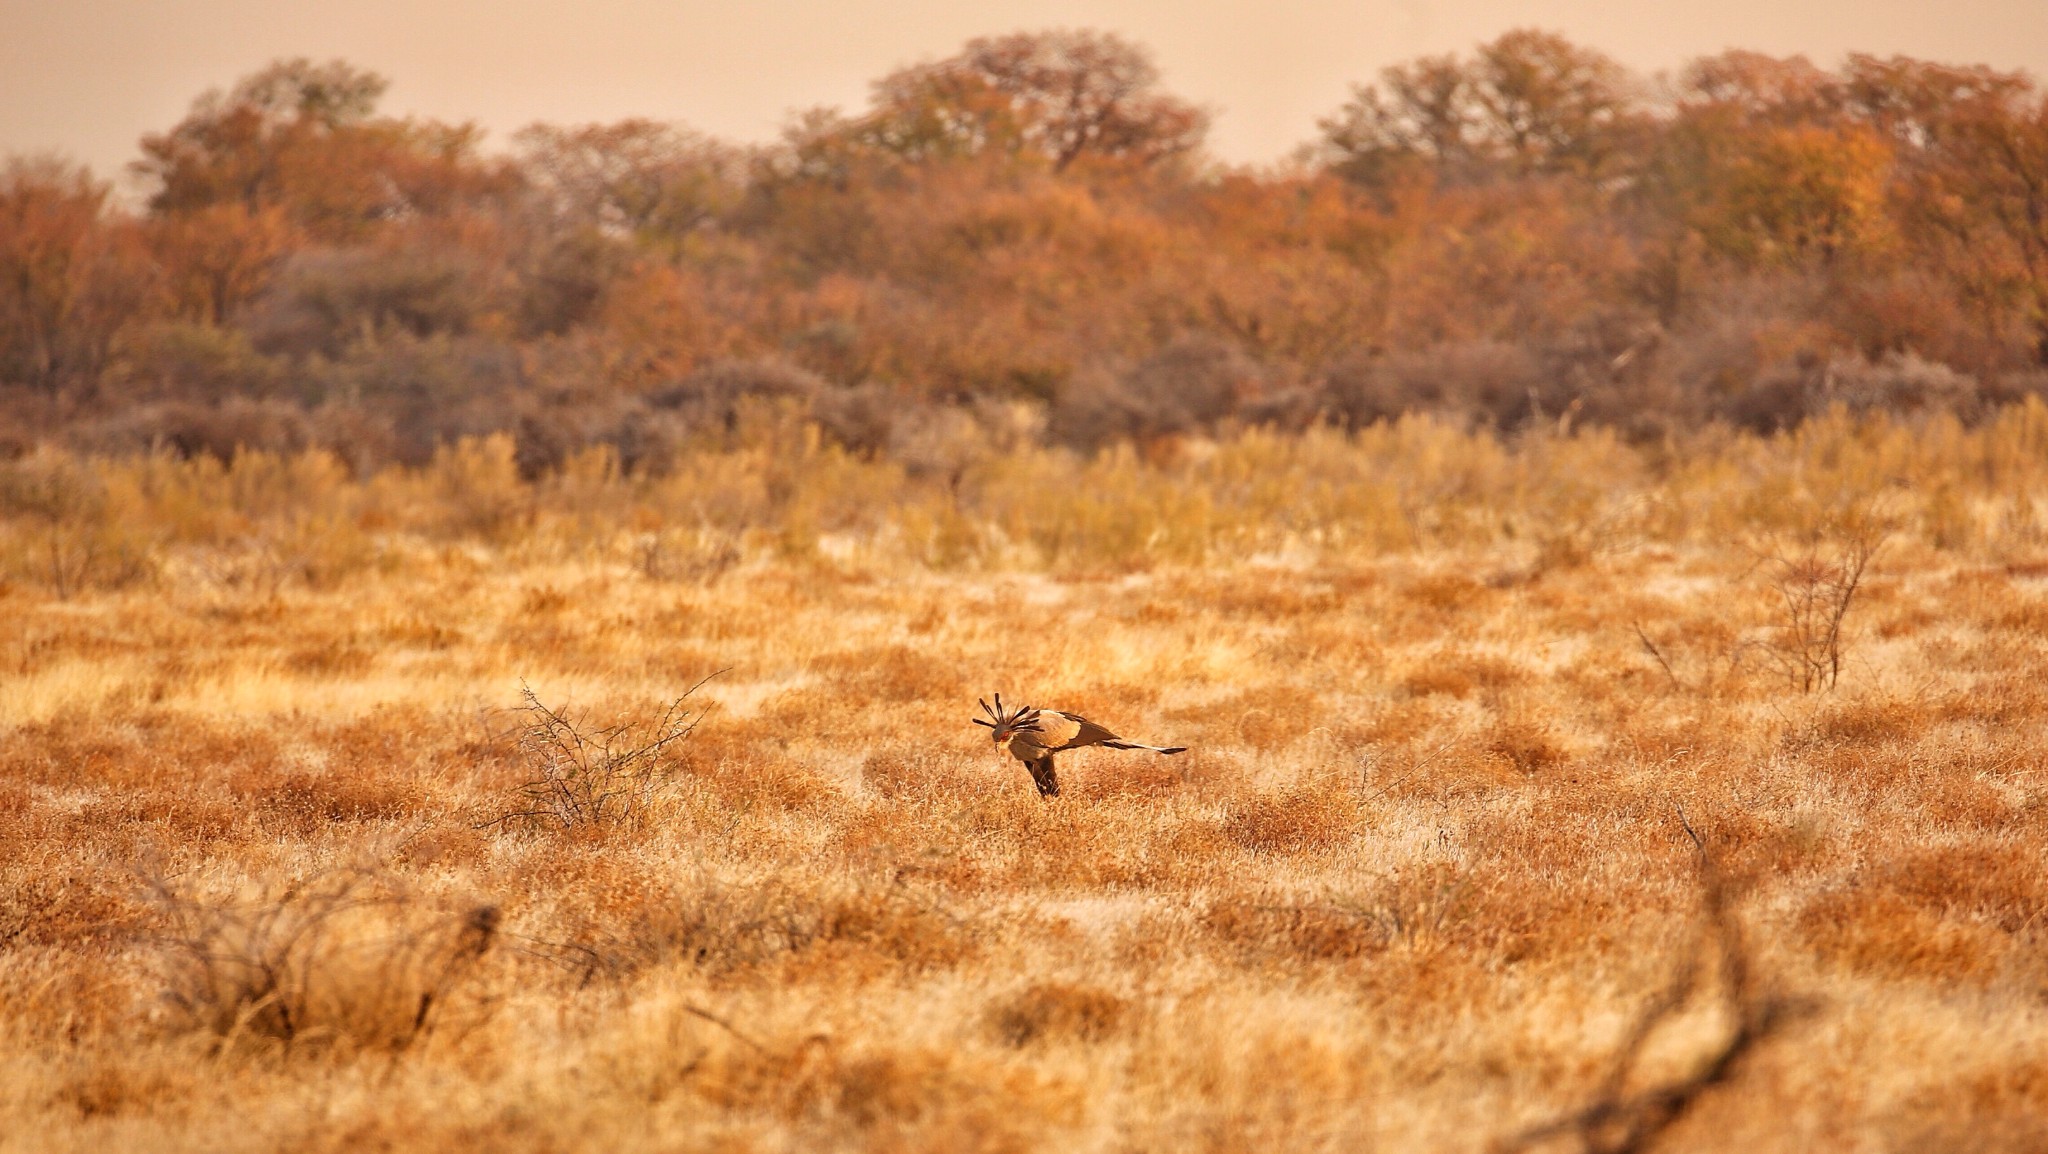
[(64, 528), (1416, 484)]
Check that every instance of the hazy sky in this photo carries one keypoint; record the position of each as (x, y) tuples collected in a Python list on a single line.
[(88, 77)]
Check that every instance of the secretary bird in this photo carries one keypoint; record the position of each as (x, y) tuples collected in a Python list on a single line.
[(1033, 736)]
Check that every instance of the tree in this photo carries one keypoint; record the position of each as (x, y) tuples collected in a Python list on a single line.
[(1058, 96), (1551, 105), (1752, 87), (1421, 111), (942, 111), (238, 146), (1972, 190), (217, 258), (303, 138), (635, 178), (69, 277), (1915, 101), (1799, 193), (1528, 103), (1730, 172)]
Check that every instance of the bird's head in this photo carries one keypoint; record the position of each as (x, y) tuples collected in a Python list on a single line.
[(1003, 724)]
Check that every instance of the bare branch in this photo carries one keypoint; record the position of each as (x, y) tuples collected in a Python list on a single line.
[(586, 776), (1620, 1122), (1658, 654)]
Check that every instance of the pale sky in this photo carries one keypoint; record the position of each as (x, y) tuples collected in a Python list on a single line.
[(88, 77)]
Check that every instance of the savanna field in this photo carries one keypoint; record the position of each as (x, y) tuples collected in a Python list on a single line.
[(1545, 792)]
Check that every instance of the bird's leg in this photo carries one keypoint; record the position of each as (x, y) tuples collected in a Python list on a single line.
[(1042, 775)]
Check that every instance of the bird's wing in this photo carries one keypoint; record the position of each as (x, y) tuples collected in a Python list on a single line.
[(1071, 731)]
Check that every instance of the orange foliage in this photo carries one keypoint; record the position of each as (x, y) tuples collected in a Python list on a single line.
[(1514, 234)]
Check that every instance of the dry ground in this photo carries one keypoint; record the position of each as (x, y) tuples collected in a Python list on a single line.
[(1415, 887)]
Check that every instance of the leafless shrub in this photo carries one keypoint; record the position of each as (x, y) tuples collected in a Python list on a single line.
[(1779, 396), (941, 442), (2015, 387), (329, 302), (1192, 382), (1621, 1120), (418, 393), (587, 777), (1812, 587), (928, 438), (1489, 380), (1187, 386), (1811, 580), (862, 418), (346, 958), (552, 428), (1773, 400), (1093, 409)]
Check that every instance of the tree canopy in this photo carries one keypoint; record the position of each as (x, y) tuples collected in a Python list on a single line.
[(1508, 234)]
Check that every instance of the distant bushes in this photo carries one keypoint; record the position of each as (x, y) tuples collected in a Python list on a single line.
[(1189, 386), (1510, 239), (1784, 395), (399, 403), (982, 487), (1483, 379)]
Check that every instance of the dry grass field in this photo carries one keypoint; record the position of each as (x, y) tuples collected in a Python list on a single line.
[(1546, 793)]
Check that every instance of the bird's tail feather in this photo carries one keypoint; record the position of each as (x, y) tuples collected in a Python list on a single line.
[(1153, 748)]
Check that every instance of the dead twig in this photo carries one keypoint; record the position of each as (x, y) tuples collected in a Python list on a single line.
[(1619, 1121), (1658, 654), (1413, 770)]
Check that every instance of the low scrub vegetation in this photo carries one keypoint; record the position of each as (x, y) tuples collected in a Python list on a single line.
[(1545, 791), (335, 959)]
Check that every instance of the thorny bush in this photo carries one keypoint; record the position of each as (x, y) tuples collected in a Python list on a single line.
[(584, 777), (344, 958)]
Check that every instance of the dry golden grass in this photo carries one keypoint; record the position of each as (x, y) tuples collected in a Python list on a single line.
[(1411, 889)]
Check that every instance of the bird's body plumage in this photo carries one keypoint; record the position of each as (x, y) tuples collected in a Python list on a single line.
[(1033, 736)]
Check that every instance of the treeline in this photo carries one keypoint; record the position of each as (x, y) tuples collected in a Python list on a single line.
[(1026, 240)]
